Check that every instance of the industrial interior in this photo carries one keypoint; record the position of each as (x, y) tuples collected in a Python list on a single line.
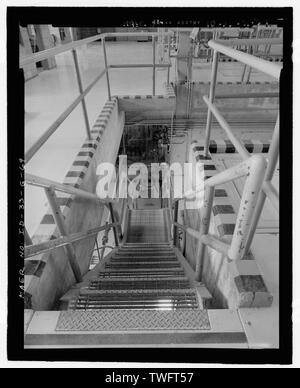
[(150, 271)]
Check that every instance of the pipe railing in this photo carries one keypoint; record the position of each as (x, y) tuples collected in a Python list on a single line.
[(258, 174), (66, 240), (269, 68), (46, 54), (254, 170), (83, 92), (47, 246), (224, 125)]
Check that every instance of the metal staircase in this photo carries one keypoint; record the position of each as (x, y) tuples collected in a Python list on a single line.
[(143, 273)]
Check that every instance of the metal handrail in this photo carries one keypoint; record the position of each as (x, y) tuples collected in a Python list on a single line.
[(54, 126), (34, 180), (250, 41), (254, 169), (224, 125), (80, 99), (262, 65), (47, 246), (66, 241), (46, 54), (259, 175)]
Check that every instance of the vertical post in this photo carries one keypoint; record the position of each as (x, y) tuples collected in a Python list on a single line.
[(272, 161), (204, 228), (175, 231), (28, 240), (97, 247), (86, 119), (188, 99), (243, 73), (153, 65), (104, 242), (249, 199), (169, 59), (62, 230), (112, 221), (106, 67), (249, 74), (211, 99)]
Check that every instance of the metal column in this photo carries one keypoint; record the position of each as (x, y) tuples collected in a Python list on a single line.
[(212, 91), (63, 231), (204, 228), (106, 67), (153, 63), (169, 60), (175, 231), (85, 114), (272, 161), (112, 221)]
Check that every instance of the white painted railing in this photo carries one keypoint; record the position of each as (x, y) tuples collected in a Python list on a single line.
[(83, 92), (257, 170)]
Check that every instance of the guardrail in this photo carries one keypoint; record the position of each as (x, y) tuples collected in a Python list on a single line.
[(83, 92), (254, 170), (66, 240), (258, 173)]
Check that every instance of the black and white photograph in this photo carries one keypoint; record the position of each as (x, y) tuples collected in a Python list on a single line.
[(149, 208)]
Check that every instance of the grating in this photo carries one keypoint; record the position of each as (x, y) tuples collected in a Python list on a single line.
[(136, 265), (153, 300), (137, 273), (139, 284), (142, 259)]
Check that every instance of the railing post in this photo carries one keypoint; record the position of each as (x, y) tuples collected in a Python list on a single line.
[(272, 161), (153, 65), (175, 219), (249, 199), (169, 59), (85, 114), (112, 221), (106, 67), (211, 99), (204, 228), (63, 231)]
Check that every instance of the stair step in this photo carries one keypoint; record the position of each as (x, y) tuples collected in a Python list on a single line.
[(142, 260), (159, 301), (140, 283), (143, 252), (141, 273), (143, 265), (143, 291), (130, 320), (147, 244), (187, 328)]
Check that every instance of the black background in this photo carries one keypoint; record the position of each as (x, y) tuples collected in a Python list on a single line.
[(139, 17)]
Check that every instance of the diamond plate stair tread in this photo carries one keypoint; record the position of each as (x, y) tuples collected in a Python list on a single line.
[(130, 320)]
